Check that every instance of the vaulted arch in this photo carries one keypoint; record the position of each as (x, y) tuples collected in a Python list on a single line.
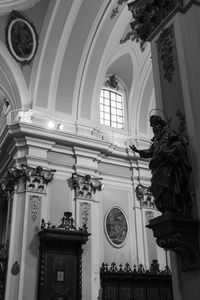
[(12, 80)]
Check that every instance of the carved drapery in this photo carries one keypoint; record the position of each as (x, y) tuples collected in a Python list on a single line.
[(34, 179), (144, 196), (85, 186)]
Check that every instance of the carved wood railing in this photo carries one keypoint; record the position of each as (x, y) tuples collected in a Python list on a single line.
[(118, 283)]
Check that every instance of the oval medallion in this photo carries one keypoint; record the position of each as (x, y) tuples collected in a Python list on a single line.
[(116, 227)]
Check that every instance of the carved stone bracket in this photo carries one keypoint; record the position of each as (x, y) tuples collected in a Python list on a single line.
[(85, 186), (35, 179), (179, 235), (144, 196)]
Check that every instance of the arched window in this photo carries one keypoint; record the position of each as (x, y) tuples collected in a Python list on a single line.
[(112, 105)]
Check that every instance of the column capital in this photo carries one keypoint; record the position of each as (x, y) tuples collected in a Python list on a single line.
[(85, 186), (34, 179)]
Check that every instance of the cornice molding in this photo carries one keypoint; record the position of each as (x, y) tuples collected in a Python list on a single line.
[(22, 135)]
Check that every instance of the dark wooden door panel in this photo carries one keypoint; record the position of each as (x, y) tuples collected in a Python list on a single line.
[(60, 276)]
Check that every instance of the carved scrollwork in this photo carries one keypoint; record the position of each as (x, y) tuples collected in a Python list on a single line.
[(85, 186), (66, 224), (35, 179), (84, 210), (144, 196), (148, 15), (180, 236), (112, 82), (35, 206), (149, 215), (136, 269)]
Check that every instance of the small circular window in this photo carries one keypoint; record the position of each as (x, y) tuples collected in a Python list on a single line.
[(116, 227)]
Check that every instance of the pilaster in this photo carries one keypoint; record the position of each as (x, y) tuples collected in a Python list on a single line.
[(26, 186), (87, 215)]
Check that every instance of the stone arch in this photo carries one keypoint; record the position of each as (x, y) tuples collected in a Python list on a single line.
[(12, 81)]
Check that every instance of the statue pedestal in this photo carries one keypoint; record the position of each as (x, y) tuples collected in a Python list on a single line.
[(179, 235)]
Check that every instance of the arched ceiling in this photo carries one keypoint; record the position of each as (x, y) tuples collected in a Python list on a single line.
[(8, 5), (78, 45), (122, 67)]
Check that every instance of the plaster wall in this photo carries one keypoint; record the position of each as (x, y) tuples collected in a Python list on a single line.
[(116, 197)]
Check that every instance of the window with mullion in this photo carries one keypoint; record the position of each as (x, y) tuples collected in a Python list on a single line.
[(111, 109)]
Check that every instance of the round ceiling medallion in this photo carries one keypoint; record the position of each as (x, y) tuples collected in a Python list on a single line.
[(21, 38)]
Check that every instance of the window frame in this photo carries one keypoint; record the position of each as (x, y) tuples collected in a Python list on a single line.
[(122, 92)]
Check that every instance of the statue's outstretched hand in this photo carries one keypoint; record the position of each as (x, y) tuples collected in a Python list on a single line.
[(134, 148)]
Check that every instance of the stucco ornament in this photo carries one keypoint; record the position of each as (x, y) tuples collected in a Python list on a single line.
[(21, 38), (147, 15)]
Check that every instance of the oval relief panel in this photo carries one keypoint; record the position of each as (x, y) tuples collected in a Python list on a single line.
[(116, 227)]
